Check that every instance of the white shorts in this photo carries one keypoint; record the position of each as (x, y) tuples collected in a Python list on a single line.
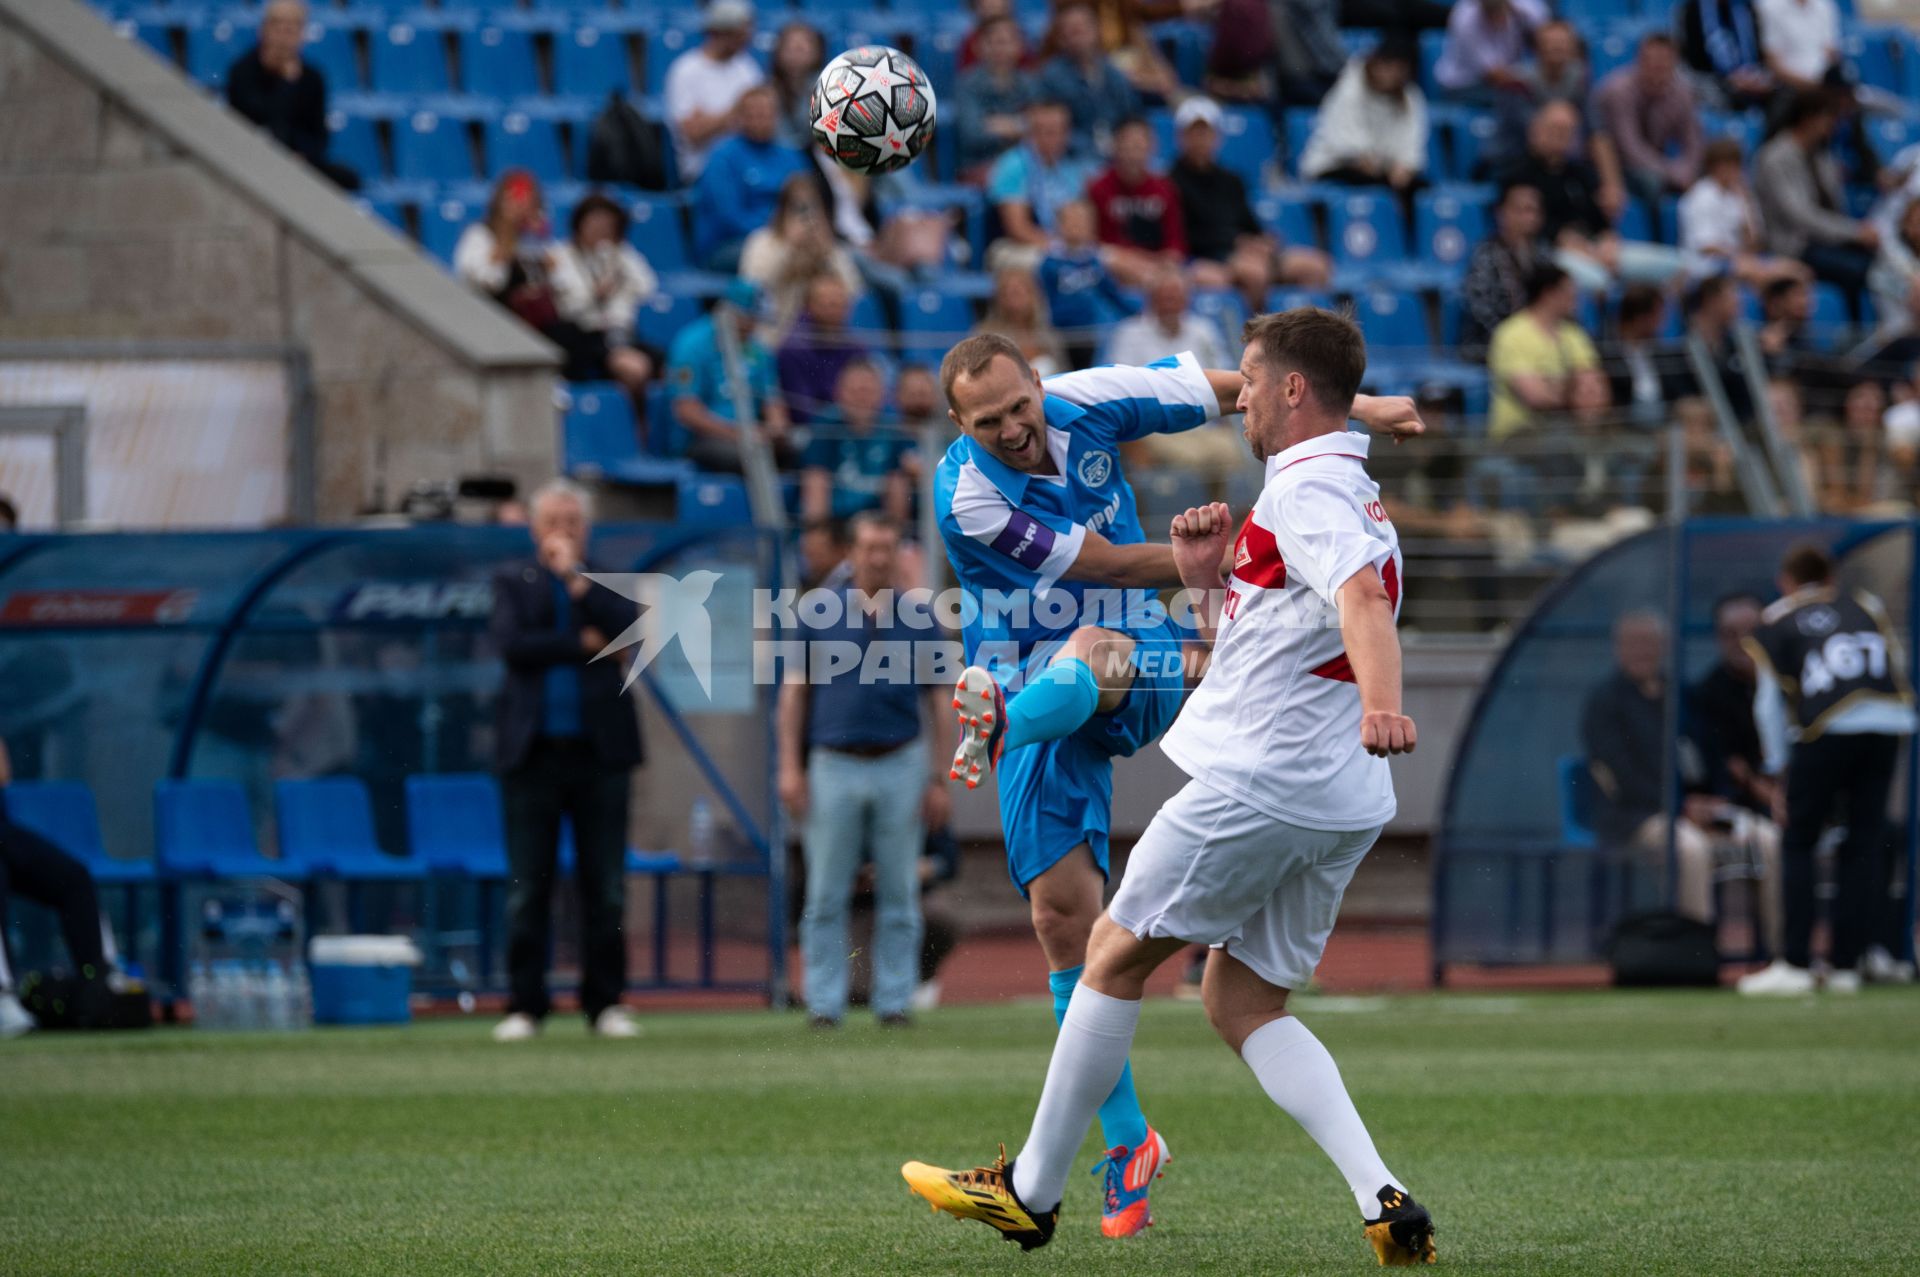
[(1213, 870)]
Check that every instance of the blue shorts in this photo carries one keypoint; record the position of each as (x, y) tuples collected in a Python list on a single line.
[(1059, 793)]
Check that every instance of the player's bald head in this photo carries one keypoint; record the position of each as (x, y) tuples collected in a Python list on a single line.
[(973, 356)]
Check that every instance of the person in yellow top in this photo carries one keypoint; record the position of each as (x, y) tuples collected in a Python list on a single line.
[(1541, 362)]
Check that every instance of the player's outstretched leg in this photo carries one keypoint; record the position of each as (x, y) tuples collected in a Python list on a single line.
[(1298, 1074), (1054, 704), (984, 1193), (1136, 1156)]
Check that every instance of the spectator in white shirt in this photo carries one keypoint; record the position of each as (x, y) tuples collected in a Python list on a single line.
[(599, 281), (1372, 128), (705, 84), (1895, 280), (1166, 327), (1720, 226), (1800, 40), (1486, 42)]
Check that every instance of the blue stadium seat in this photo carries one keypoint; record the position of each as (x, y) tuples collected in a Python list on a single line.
[(498, 62), (590, 60), (931, 320), (1225, 309), (1292, 298), (1448, 222), (1290, 217), (1247, 145), (519, 140), (326, 826), (63, 812), (1743, 127), (354, 141), (156, 35), (1299, 132), (214, 45), (1890, 136), (869, 320), (330, 47), (1364, 228), (1636, 222), (1871, 55), (442, 222), (1611, 51), (1830, 314), (602, 440), (666, 41), (657, 229), (1431, 43), (1469, 132), (204, 829), (432, 147), (454, 824), (663, 315), (383, 210), (410, 57), (713, 500), (1394, 323), (1576, 803)]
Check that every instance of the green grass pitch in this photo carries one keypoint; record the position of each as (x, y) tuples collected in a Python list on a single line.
[(1576, 1133)]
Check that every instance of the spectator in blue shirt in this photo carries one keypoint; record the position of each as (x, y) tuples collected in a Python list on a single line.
[(1082, 296), (857, 773), (1028, 184), (1081, 75), (991, 98), (854, 462), (704, 395), (740, 184), (819, 347)]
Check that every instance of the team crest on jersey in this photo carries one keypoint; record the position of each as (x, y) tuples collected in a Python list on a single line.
[(1819, 620), (1096, 468)]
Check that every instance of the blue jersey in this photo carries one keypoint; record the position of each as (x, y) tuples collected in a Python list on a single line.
[(1011, 535)]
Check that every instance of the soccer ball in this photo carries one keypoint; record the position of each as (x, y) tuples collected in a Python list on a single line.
[(872, 109)]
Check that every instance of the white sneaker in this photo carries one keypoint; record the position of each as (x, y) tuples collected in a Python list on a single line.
[(14, 1018), (1843, 982), (1780, 979), (615, 1022), (1877, 966), (518, 1027), (925, 997)]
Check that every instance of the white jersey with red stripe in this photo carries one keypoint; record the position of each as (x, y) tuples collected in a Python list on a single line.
[(1276, 721)]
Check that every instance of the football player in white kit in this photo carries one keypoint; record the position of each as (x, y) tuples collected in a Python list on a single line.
[(1285, 740)]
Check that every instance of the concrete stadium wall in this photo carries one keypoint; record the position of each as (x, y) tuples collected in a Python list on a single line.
[(133, 207)]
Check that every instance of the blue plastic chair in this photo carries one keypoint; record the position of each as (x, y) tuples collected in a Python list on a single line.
[(712, 500), (1576, 803), (1364, 228), (1831, 318), (410, 58), (204, 829), (590, 60), (327, 826), (1394, 322), (1291, 217), (520, 140), (1448, 222), (1299, 132), (498, 62), (931, 320), (442, 222), (63, 812), (666, 41), (354, 141), (330, 48), (157, 36), (214, 45), (432, 147), (601, 440), (663, 315), (455, 825), (1293, 298), (655, 227)]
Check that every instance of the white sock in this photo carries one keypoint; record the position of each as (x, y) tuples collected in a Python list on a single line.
[(1297, 1074), (1087, 1058)]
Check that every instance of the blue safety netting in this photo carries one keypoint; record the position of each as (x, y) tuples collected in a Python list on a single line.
[(1515, 880)]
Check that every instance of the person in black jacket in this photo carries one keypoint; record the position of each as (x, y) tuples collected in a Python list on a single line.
[(272, 87), (567, 741), (1624, 730)]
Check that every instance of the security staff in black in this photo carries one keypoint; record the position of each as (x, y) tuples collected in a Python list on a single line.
[(1831, 703)]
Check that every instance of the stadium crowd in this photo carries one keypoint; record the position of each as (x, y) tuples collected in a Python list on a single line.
[(1532, 213)]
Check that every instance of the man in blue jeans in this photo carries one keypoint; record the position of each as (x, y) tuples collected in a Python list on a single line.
[(857, 773)]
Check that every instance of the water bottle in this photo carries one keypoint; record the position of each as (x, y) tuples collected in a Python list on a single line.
[(700, 833), (279, 998)]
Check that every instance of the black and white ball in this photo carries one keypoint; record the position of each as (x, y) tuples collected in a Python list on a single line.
[(872, 109)]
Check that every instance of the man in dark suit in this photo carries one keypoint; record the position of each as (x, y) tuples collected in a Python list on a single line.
[(567, 741)]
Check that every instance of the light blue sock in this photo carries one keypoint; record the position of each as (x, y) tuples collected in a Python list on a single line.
[(1052, 705), (1122, 1124)]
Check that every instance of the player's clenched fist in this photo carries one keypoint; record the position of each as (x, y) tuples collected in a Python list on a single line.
[(1203, 521), (1200, 538), (1382, 733)]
